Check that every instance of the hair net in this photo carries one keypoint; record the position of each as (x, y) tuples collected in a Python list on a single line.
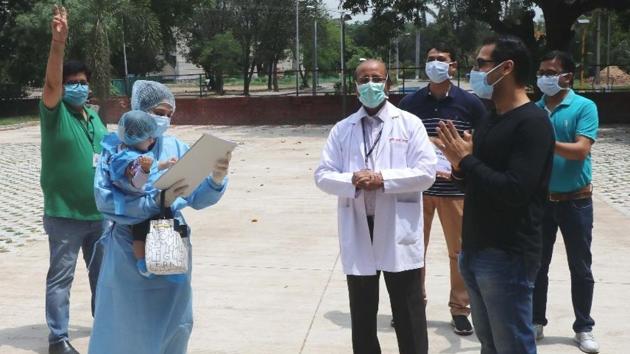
[(135, 127), (146, 95)]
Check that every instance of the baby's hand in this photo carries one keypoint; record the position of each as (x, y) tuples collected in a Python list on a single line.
[(163, 165), (145, 163)]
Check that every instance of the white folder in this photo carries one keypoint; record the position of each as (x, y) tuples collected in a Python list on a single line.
[(197, 163)]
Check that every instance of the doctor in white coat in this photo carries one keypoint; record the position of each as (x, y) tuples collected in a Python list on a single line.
[(378, 161)]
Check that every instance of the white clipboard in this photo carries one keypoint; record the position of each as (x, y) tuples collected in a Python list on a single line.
[(197, 163)]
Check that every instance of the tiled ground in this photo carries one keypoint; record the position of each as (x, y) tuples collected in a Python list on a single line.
[(21, 209)]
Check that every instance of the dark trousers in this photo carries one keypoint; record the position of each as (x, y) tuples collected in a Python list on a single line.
[(405, 293), (574, 218)]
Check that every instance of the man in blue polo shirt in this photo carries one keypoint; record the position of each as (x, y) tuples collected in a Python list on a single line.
[(570, 207), (438, 101)]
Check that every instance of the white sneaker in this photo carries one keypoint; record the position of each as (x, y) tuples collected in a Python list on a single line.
[(586, 342), (538, 331)]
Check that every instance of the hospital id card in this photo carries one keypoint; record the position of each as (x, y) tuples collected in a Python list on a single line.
[(95, 158), (443, 165)]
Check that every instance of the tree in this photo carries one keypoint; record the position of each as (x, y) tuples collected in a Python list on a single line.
[(514, 17), (209, 43), (276, 27), (219, 56)]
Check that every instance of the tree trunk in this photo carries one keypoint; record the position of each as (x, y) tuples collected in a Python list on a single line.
[(303, 77), (270, 76), (100, 63), (275, 75), (249, 72), (558, 22), (219, 83), (245, 68)]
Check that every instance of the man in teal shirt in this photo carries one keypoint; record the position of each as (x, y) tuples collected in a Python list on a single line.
[(570, 206), (71, 137)]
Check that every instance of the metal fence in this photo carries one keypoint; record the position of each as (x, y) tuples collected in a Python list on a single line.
[(589, 78), (403, 80)]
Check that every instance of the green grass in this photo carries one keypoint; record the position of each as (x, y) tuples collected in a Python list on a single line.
[(18, 120)]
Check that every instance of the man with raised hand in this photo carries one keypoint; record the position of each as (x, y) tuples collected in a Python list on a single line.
[(71, 137)]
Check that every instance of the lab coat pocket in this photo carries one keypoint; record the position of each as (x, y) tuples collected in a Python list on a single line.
[(408, 223), (398, 154)]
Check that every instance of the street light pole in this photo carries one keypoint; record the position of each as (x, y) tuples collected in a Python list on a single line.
[(397, 59), (598, 51), (417, 54), (315, 68), (297, 47), (125, 57), (608, 53)]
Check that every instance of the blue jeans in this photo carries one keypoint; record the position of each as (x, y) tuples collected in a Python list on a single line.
[(574, 218), (500, 287), (65, 238)]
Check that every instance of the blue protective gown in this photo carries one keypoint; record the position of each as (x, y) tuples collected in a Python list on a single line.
[(136, 315)]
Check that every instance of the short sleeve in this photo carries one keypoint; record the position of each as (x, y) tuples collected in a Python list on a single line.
[(47, 116), (588, 121)]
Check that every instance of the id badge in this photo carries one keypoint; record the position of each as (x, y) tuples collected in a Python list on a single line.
[(95, 159), (443, 165)]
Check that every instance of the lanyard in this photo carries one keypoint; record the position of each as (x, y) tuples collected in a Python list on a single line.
[(368, 152), (87, 131)]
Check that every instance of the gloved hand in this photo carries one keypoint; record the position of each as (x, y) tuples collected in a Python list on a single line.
[(221, 169), (174, 191)]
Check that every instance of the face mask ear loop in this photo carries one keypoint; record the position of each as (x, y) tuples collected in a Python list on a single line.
[(493, 69), (564, 88)]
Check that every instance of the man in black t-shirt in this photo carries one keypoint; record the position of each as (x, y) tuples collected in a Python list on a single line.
[(505, 177)]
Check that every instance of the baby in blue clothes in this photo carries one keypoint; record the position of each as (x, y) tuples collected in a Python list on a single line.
[(131, 166)]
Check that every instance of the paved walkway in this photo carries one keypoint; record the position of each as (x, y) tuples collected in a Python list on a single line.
[(267, 277)]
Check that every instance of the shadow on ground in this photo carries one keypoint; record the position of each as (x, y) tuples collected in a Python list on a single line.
[(35, 337), (440, 328)]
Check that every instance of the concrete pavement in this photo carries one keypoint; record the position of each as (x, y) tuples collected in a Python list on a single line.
[(266, 269)]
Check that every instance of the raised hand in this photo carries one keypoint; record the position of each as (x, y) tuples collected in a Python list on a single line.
[(59, 24), (454, 146)]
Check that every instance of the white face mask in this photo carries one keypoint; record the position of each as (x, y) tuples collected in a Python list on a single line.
[(479, 82), (163, 122), (437, 71), (550, 85)]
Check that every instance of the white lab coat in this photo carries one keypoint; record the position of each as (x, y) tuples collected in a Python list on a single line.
[(406, 159)]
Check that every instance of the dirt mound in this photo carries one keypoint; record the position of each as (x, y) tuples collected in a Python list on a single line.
[(617, 76)]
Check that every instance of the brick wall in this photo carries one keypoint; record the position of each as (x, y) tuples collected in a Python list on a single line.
[(613, 108)]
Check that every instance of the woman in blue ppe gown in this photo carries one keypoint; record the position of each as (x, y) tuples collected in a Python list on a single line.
[(136, 315)]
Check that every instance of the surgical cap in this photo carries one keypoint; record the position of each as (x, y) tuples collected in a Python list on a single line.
[(135, 127), (146, 95)]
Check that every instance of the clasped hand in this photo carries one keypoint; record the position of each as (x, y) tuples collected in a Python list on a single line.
[(367, 180)]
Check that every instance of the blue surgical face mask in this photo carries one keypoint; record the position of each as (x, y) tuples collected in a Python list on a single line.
[(163, 122), (479, 83), (437, 71), (372, 94), (550, 85), (75, 94)]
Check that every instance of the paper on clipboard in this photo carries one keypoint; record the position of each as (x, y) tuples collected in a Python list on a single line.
[(197, 163)]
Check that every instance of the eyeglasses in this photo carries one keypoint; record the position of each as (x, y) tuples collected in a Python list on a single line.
[(442, 59), (482, 62), (374, 79), (549, 74), (76, 83)]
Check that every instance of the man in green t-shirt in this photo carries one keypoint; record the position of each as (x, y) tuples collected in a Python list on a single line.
[(71, 143)]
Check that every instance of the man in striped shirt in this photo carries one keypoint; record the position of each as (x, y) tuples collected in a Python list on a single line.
[(438, 101)]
